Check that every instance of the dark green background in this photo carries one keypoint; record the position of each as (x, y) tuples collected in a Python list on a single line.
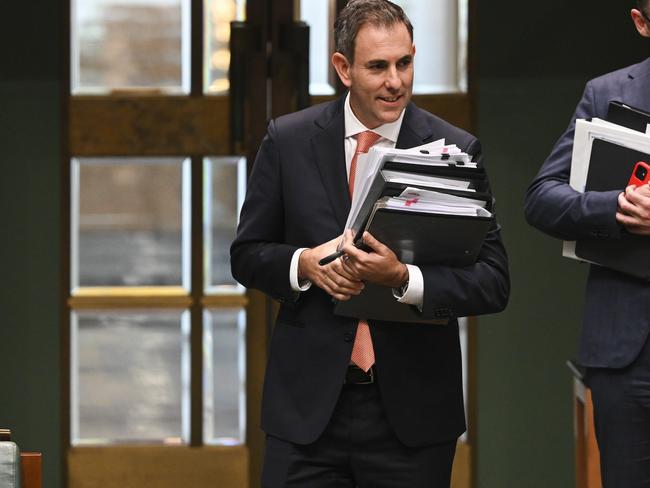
[(534, 58)]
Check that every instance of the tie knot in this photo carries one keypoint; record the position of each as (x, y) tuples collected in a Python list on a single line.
[(365, 140)]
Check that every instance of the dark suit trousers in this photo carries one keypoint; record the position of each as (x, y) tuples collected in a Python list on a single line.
[(622, 419), (357, 449)]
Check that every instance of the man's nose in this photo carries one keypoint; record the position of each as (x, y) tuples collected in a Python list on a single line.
[(393, 81)]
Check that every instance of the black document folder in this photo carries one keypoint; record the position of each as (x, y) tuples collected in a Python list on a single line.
[(421, 239), (477, 175), (425, 238), (628, 116), (381, 188), (610, 167)]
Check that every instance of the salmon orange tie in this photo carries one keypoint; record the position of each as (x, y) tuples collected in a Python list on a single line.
[(363, 354)]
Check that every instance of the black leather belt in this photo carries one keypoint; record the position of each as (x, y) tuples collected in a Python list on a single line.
[(356, 376)]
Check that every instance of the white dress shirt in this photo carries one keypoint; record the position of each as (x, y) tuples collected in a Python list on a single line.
[(414, 292)]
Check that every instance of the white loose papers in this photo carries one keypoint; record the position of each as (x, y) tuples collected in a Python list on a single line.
[(426, 180), (370, 163), (418, 200)]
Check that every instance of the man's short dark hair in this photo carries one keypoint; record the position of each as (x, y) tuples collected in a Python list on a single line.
[(642, 5), (379, 13)]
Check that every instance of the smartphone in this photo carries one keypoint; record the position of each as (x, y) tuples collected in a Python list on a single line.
[(640, 174)]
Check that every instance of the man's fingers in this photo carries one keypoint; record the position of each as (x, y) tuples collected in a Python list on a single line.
[(374, 244), (633, 224), (343, 267), (643, 190), (626, 203), (351, 267), (339, 283)]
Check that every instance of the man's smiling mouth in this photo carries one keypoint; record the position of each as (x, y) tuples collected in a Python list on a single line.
[(390, 99)]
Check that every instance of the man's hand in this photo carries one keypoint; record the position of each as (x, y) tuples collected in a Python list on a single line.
[(333, 278), (380, 266), (634, 209)]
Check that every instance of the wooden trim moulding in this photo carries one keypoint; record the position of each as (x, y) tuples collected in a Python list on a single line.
[(148, 125), (158, 466), (130, 297)]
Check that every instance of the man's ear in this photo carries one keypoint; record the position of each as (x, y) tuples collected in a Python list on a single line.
[(342, 67), (640, 22)]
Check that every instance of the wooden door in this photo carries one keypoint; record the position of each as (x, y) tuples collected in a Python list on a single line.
[(160, 345)]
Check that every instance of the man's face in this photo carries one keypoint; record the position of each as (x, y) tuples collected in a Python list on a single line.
[(381, 78)]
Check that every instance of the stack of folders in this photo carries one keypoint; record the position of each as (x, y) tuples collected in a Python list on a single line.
[(429, 205), (604, 155)]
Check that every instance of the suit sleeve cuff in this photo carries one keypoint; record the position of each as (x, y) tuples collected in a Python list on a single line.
[(296, 285), (414, 293)]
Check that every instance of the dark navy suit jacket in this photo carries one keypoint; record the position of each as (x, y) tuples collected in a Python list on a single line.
[(616, 318), (298, 197)]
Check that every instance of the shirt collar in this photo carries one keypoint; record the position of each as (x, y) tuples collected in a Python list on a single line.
[(353, 126)]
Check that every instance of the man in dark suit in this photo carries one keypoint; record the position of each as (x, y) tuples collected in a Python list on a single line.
[(614, 344), (348, 403)]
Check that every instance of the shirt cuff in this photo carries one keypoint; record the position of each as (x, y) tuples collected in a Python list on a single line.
[(296, 285), (414, 293)]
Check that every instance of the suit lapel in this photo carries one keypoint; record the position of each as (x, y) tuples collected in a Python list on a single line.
[(329, 154), (414, 131), (637, 90)]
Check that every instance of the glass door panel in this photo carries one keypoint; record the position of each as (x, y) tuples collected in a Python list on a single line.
[(224, 376), (441, 61), (320, 17), (224, 190), (218, 14), (130, 377), (130, 44), (130, 222)]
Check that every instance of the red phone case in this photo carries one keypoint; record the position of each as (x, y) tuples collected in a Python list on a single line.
[(640, 174)]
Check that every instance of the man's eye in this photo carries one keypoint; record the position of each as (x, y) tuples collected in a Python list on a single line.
[(403, 63), (376, 67)]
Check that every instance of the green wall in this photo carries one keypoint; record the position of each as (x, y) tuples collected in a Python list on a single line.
[(534, 61), (30, 290)]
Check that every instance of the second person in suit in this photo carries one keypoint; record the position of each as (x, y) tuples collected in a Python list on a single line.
[(614, 344)]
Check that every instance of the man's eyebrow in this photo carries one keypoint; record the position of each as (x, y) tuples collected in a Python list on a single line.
[(406, 57)]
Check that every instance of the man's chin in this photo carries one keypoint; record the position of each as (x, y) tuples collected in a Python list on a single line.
[(388, 116)]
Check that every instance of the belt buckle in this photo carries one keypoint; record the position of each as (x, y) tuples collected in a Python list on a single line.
[(371, 373)]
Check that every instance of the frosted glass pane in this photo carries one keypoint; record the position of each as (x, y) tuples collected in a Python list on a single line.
[(225, 179), (218, 15), (123, 44), (224, 376), (130, 376), (441, 44), (320, 17), (130, 222)]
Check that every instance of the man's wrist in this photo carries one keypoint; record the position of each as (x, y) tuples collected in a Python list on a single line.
[(304, 255), (413, 291), (402, 277)]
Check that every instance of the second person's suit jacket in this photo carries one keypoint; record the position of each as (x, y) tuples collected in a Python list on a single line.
[(616, 319)]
